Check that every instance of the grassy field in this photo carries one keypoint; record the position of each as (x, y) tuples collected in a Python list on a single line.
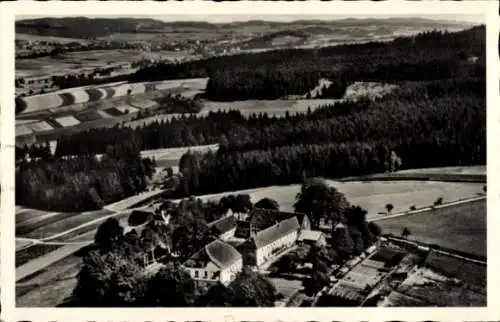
[(65, 223), (50, 286), (27, 254), (461, 227), (271, 107), (372, 195)]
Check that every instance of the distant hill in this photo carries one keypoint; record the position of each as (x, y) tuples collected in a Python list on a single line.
[(89, 28)]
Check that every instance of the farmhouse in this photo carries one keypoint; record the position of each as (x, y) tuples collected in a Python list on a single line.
[(216, 262), (312, 237), (224, 227), (259, 219), (264, 244)]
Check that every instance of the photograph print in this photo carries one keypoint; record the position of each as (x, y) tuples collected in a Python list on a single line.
[(242, 161)]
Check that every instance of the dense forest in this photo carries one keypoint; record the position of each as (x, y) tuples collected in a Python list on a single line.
[(270, 75), (82, 182), (430, 121)]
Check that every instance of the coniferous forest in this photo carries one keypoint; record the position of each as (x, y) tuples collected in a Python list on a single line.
[(436, 117)]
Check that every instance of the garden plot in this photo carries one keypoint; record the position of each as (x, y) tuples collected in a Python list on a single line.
[(88, 115), (143, 103), (41, 127), (41, 102), (125, 109), (67, 121), (447, 293), (23, 130)]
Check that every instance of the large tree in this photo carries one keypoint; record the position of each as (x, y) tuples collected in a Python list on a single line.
[(267, 203), (109, 280), (170, 287), (320, 201)]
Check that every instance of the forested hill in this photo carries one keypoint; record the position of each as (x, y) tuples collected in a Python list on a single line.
[(270, 75)]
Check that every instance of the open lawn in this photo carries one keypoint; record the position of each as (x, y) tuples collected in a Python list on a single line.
[(372, 195), (461, 227)]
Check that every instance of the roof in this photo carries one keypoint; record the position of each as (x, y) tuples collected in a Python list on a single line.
[(223, 224), (310, 235), (270, 234), (263, 218), (221, 254)]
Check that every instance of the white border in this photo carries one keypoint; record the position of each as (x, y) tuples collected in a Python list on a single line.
[(401, 8)]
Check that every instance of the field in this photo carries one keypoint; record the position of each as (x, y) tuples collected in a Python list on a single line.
[(461, 227), (85, 94), (372, 195), (440, 290), (49, 286), (59, 224)]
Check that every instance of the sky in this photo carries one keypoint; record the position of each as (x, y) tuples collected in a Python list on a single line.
[(282, 18)]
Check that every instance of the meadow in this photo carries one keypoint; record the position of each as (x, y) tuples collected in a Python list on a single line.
[(459, 227), (372, 195)]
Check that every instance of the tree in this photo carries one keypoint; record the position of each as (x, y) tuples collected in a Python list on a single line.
[(389, 207), (314, 284), (405, 233), (439, 201), (267, 203), (170, 287), (393, 162), (320, 201), (108, 233), (108, 280), (374, 228)]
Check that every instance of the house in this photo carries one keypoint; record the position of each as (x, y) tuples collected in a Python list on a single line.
[(312, 237), (259, 219), (216, 262), (224, 227), (262, 245)]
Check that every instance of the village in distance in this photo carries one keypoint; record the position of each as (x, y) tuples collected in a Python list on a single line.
[(250, 163)]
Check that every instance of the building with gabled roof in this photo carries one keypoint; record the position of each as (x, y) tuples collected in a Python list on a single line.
[(260, 219), (264, 244), (216, 262), (312, 237), (224, 227)]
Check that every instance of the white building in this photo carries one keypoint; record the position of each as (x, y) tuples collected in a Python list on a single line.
[(216, 262), (271, 241)]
